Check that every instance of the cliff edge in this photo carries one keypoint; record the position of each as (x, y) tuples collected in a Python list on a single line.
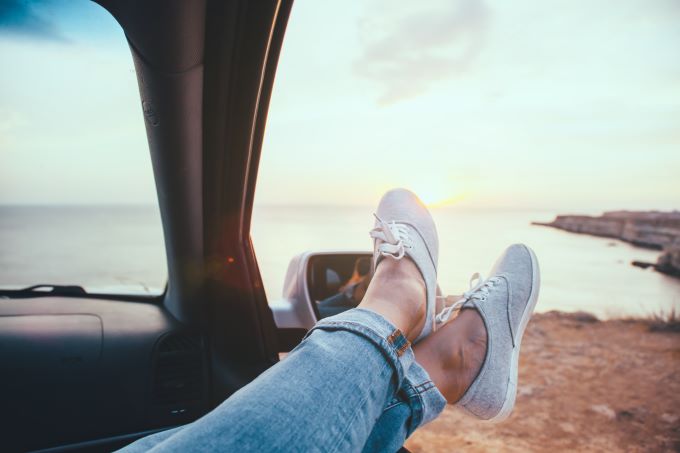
[(651, 229), (584, 385)]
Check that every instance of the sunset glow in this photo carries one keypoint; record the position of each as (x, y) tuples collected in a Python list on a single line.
[(455, 99), (437, 194)]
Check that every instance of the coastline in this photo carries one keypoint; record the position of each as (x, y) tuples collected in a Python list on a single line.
[(649, 229)]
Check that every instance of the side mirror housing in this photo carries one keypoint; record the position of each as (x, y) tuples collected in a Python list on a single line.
[(321, 284)]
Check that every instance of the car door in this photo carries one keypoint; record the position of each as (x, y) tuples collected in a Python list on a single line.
[(93, 370)]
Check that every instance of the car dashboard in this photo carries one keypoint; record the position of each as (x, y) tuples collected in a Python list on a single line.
[(101, 370)]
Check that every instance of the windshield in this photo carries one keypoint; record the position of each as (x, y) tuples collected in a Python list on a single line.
[(77, 196)]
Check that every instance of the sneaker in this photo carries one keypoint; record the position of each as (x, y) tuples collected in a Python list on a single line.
[(505, 302), (404, 227)]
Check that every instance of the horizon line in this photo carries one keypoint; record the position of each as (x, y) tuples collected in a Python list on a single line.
[(555, 210)]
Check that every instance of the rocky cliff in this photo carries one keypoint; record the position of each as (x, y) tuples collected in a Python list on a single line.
[(669, 261), (653, 229)]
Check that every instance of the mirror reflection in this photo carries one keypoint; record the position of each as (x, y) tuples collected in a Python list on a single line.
[(338, 282)]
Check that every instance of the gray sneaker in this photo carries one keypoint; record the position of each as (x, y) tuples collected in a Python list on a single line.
[(505, 302), (404, 227)]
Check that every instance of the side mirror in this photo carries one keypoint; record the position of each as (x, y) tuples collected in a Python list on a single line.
[(321, 284)]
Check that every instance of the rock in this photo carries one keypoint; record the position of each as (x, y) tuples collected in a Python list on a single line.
[(525, 390), (582, 316), (624, 415), (670, 418), (596, 226), (651, 229), (605, 410), (669, 261), (642, 264), (635, 414)]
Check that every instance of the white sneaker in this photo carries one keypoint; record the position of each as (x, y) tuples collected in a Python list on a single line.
[(505, 302), (404, 227)]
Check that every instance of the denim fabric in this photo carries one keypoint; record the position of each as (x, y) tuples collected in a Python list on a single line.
[(416, 403), (344, 385)]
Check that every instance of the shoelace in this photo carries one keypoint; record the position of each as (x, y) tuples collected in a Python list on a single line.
[(478, 291), (395, 237)]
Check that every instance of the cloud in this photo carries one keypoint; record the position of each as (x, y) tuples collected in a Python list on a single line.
[(28, 18), (407, 49)]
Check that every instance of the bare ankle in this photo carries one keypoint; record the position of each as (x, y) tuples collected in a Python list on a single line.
[(397, 292), (454, 355)]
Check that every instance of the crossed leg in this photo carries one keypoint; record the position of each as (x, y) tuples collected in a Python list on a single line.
[(341, 389), (453, 355)]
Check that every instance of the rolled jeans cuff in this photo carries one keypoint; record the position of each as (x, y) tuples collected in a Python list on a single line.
[(424, 398), (383, 334)]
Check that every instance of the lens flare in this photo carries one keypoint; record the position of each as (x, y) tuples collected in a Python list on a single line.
[(437, 195)]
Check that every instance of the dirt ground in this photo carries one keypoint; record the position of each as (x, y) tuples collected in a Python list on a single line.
[(584, 385)]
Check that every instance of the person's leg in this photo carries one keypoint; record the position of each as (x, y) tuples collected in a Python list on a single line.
[(330, 390), (447, 362), (416, 403), (455, 355), (150, 441), (481, 380)]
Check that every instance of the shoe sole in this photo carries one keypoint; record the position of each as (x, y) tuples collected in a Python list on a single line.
[(511, 392)]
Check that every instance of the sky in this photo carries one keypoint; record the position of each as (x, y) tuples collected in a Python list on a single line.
[(559, 105)]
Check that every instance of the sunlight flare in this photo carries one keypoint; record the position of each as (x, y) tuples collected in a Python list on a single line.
[(437, 194)]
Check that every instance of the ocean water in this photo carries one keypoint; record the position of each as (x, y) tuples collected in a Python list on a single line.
[(117, 249), (120, 249), (578, 272)]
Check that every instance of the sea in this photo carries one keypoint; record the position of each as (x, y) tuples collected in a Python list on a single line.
[(119, 249)]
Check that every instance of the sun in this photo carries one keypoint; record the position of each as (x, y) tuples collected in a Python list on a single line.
[(437, 195), (447, 201)]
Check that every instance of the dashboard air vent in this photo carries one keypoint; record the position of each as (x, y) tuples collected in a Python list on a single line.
[(179, 371)]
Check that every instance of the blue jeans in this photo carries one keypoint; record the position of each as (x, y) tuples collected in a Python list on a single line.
[(351, 385)]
